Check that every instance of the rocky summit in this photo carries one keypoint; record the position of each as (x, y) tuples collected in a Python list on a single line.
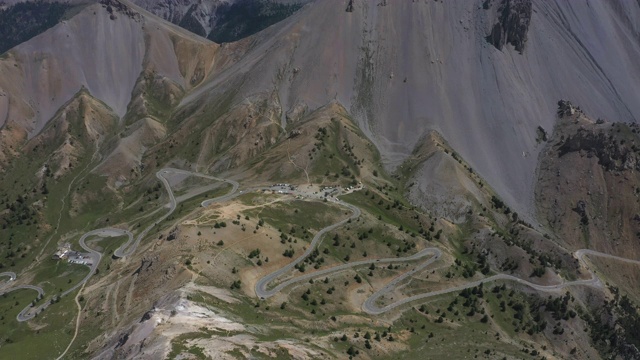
[(315, 179)]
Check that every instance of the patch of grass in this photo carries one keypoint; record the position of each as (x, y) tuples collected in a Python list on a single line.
[(56, 276), (390, 212), (256, 198), (179, 346), (28, 342), (298, 213)]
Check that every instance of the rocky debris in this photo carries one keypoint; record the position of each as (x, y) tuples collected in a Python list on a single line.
[(148, 315), (173, 234), (294, 133), (349, 6), (146, 264), (566, 108), (114, 6), (541, 135), (122, 340), (514, 17)]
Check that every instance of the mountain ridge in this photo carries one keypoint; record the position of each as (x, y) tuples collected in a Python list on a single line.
[(399, 130), (456, 93)]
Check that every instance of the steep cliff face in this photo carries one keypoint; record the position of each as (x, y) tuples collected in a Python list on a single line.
[(587, 189)]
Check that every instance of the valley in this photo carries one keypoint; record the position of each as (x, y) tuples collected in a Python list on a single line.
[(231, 179)]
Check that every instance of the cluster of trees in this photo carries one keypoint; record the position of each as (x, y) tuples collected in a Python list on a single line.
[(239, 19), (614, 327), (24, 20), (19, 212)]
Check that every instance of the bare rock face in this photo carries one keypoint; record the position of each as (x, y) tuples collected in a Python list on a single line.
[(349, 6), (146, 264), (587, 188), (115, 6), (513, 24)]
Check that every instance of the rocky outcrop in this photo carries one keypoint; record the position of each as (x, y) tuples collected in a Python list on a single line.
[(612, 155), (581, 209), (146, 264), (148, 315), (566, 108), (122, 340), (512, 26), (115, 6), (349, 6)]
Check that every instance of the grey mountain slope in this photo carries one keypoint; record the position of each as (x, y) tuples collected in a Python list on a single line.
[(487, 103), (402, 69), (90, 50)]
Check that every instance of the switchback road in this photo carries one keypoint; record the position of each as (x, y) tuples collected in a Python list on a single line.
[(124, 250), (370, 305), (262, 289)]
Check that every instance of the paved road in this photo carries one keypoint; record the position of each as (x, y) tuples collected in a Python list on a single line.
[(23, 315), (416, 256), (124, 250), (261, 285), (262, 290), (130, 246), (370, 305)]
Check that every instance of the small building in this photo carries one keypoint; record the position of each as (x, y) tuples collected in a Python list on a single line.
[(62, 252)]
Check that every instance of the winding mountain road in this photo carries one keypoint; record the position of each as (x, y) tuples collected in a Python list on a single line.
[(261, 285), (370, 305), (124, 250), (262, 289)]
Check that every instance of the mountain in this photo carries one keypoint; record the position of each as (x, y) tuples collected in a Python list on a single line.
[(22, 20), (223, 20), (329, 179), (399, 81)]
